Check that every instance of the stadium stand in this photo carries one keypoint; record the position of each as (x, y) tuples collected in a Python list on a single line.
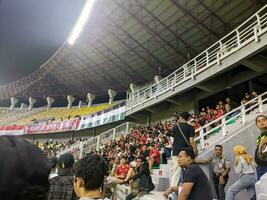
[(60, 114), (229, 126), (10, 117), (227, 122)]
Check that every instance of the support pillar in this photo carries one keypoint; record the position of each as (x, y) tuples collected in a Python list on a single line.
[(50, 101), (14, 101), (32, 101), (90, 98), (70, 99), (111, 94), (22, 106)]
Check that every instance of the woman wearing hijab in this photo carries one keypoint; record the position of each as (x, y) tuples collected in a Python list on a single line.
[(245, 167), (260, 152)]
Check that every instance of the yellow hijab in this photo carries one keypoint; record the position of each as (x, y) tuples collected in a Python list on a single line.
[(241, 151)]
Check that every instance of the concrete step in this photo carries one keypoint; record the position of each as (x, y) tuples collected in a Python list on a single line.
[(261, 189), (155, 195)]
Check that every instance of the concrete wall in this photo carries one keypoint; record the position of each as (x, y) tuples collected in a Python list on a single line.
[(247, 137)]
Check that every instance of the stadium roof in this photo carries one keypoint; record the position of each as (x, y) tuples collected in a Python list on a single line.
[(131, 41)]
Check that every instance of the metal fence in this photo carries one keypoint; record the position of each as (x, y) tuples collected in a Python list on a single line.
[(95, 143), (220, 127)]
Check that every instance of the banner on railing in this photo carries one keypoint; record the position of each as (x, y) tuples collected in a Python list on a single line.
[(68, 125), (12, 130), (113, 114)]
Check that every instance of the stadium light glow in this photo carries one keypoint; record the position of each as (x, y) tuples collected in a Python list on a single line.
[(81, 21)]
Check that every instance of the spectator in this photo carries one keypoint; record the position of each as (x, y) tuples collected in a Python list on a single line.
[(123, 171), (195, 183), (115, 163), (143, 175), (247, 97), (53, 163), (254, 94), (231, 103), (203, 112), (195, 125), (89, 175), (227, 108), (245, 167), (183, 134), (24, 170), (261, 122), (221, 105), (154, 157), (201, 120), (61, 187), (219, 112), (144, 152), (220, 169), (167, 148)]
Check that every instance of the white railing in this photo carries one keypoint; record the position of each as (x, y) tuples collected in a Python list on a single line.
[(95, 143), (218, 126), (244, 34)]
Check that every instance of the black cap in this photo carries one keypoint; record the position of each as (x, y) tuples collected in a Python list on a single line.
[(185, 115), (23, 166), (53, 161), (66, 160)]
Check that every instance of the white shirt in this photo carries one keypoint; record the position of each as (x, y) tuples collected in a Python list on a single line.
[(243, 167), (52, 175)]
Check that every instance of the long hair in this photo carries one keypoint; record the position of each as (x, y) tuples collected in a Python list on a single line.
[(241, 151)]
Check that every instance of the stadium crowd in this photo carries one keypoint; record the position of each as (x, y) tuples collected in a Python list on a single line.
[(129, 160), (205, 116)]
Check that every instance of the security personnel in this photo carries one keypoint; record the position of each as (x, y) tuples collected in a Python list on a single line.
[(220, 168)]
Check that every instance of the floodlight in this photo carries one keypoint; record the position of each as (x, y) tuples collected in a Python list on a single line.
[(85, 14)]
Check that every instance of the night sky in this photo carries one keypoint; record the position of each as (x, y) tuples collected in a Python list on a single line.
[(31, 31)]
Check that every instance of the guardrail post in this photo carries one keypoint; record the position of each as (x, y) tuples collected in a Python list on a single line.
[(175, 77), (243, 111), (238, 37), (81, 150), (184, 72), (224, 133), (202, 142), (258, 21), (260, 104), (207, 57), (98, 143), (114, 134), (255, 29), (218, 58), (127, 131)]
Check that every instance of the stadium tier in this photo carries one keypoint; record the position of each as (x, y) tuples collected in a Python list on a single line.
[(60, 114), (190, 117)]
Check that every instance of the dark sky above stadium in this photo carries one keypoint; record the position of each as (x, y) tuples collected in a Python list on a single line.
[(31, 31)]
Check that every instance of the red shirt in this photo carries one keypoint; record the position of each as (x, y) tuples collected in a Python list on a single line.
[(156, 154), (122, 170), (219, 113), (143, 139)]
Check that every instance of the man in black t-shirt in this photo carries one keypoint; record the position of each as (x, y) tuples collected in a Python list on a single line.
[(181, 140), (195, 182)]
